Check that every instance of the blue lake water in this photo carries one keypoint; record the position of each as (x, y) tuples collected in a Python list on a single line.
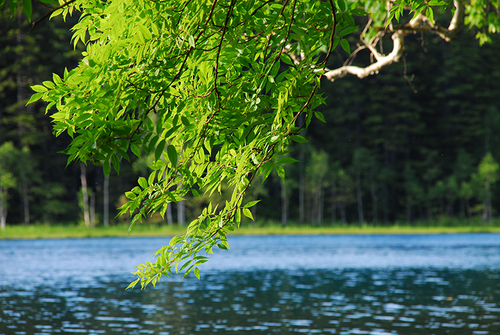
[(368, 284)]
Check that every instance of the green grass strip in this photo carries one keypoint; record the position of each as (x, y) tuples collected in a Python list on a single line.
[(152, 230)]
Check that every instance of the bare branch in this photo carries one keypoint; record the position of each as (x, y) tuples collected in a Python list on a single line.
[(382, 61)]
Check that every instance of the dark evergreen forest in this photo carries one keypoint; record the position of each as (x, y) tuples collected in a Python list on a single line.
[(419, 141)]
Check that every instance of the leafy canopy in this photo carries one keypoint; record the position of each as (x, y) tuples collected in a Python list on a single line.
[(213, 89)]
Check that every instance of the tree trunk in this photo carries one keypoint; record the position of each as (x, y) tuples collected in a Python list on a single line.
[(320, 206), (343, 218), (301, 185), (487, 202), (408, 209), (106, 201), (373, 193), (359, 196), (3, 209), (284, 205), (92, 209), (181, 212), (83, 179), (385, 201), (26, 202), (334, 201)]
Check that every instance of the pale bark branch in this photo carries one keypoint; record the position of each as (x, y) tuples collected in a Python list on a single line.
[(449, 34), (398, 34), (382, 61)]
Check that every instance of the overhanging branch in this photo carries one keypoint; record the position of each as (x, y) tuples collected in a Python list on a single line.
[(398, 34)]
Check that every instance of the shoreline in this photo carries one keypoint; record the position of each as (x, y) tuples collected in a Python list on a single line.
[(20, 232)]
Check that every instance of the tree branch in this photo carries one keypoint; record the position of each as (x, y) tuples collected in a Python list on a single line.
[(35, 23), (450, 33), (382, 61), (399, 32)]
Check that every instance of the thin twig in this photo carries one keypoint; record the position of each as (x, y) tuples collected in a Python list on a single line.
[(35, 23)]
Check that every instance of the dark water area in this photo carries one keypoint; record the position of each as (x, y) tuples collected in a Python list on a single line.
[(378, 285)]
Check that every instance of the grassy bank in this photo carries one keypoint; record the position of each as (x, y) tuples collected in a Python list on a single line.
[(151, 230), (80, 231)]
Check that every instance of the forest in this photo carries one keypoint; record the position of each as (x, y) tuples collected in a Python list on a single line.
[(417, 142)]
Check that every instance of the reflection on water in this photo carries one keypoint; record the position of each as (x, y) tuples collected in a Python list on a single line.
[(386, 299), (336, 301)]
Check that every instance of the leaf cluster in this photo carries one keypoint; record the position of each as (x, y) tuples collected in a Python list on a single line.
[(213, 89), (207, 87)]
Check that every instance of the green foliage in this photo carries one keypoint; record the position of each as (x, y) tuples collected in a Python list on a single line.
[(483, 15), (206, 87), (8, 157), (211, 90), (488, 170)]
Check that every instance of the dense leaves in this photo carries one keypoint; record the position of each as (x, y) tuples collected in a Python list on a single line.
[(212, 90), (207, 87)]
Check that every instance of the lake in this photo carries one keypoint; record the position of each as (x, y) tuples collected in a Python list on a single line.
[(367, 284)]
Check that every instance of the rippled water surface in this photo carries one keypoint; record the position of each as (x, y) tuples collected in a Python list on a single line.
[(426, 284)]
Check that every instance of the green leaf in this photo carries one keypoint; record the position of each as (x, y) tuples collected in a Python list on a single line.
[(298, 139), (347, 31), (55, 13), (39, 88), (185, 121), (237, 216), (35, 97), (130, 195), (286, 59), (151, 178), (143, 182), (159, 149), (106, 168), (116, 163), (28, 9), (191, 41), (320, 116), (197, 273), (152, 143), (437, 3), (56, 79), (345, 45), (358, 12), (281, 172), (248, 213), (146, 34), (135, 150), (252, 203), (266, 169), (132, 284), (172, 155), (54, 2), (286, 160), (13, 6), (49, 84), (342, 5), (430, 14)]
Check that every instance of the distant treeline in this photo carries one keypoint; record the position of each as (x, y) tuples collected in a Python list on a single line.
[(418, 141)]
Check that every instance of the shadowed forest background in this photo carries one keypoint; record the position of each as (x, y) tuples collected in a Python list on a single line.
[(419, 141)]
